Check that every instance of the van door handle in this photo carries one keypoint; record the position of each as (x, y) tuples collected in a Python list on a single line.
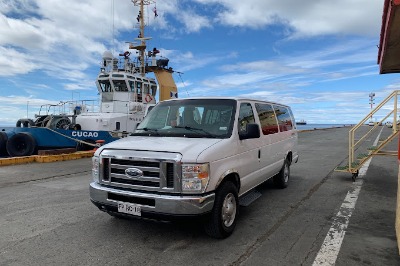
[(259, 154)]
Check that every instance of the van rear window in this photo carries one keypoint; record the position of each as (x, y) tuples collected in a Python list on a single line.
[(284, 119), (267, 117)]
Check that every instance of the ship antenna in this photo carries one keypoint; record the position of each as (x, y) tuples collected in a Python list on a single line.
[(141, 37), (113, 28)]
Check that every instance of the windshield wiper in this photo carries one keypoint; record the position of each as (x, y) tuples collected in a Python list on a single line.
[(151, 130), (197, 129)]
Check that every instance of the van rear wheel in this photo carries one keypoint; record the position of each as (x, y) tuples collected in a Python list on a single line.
[(222, 220), (281, 180)]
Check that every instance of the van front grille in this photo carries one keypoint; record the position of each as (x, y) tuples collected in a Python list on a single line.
[(170, 175), (152, 174)]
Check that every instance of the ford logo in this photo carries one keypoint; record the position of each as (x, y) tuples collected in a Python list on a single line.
[(133, 172)]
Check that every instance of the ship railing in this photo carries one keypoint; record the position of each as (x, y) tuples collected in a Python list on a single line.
[(387, 112), (68, 108)]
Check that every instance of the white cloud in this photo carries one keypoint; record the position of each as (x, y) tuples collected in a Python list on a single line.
[(305, 18), (335, 62), (13, 62), (194, 22), (189, 61), (270, 67)]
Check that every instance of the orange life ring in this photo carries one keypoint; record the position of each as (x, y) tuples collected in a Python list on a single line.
[(148, 98)]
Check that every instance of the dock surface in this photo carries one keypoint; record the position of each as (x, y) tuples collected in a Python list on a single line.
[(47, 217)]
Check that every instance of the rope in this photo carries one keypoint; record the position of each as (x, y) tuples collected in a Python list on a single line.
[(76, 140), (183, 83)]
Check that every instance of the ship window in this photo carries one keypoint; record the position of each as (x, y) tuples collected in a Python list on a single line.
[(131, 85), (267, 118), (139, 90), (284, 119), (105, 85), (117, 125), (117, 76), (153, 90), (120, 85), (146, 88), (246, 116)]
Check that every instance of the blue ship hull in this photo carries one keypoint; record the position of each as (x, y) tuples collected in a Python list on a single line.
[(25, 141)]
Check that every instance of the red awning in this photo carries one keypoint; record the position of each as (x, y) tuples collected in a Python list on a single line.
[(389, 45)]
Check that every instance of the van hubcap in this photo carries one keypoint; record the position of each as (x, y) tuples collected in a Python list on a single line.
[(229, 210)]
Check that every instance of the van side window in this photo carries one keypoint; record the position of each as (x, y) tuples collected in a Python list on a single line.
[(284, 118), (246, 116), (267, 117)]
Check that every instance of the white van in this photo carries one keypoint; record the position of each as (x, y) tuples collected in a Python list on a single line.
[(196, 157)]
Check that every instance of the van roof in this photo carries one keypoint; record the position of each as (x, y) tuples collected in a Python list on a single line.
[(236, 98)]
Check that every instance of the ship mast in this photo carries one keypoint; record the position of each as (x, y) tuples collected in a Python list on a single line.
[(142, 47), (166, 84)]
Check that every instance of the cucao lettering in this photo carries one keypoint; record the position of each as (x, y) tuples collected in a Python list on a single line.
[(84, 134)]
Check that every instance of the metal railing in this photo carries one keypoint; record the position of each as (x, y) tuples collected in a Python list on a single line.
[(356, 162)]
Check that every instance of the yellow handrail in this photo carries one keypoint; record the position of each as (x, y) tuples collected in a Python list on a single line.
[(352, 143)]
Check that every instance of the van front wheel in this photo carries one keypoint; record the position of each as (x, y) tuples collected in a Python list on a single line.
[(282, 178), (222, 220)]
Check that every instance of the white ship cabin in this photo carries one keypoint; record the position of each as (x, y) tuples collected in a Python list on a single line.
[(125, 97), (118, 90)]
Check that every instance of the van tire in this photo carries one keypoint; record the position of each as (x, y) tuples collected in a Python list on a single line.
[(220, 223), (281, 180)]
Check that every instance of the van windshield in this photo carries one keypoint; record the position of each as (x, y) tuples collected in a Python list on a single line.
[(195, 118)]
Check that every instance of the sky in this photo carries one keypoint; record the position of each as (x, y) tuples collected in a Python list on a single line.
[(319, 57)]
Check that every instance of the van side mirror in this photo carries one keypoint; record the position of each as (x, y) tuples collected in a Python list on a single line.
[(252, 132)]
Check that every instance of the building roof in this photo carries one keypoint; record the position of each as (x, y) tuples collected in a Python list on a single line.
[(389, 45)]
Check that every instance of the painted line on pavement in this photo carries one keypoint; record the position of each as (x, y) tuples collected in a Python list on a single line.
[(330, 248)]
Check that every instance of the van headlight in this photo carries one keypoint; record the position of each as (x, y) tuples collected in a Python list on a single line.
[(195, 177), (95, 168)]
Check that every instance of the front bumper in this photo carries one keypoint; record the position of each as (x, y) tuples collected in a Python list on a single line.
[(107, 199)]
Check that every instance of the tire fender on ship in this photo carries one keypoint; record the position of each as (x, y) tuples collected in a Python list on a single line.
[(21, 144), (77, 127), (25, 123), (3, 142)]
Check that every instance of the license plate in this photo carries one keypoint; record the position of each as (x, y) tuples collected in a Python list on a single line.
[(129, 208)]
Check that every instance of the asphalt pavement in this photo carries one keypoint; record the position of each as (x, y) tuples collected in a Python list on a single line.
[(48, 219)]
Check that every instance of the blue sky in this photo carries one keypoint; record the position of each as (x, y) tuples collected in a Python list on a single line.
[(320, 57)]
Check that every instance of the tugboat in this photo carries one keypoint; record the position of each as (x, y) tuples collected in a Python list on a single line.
[(126, 96)]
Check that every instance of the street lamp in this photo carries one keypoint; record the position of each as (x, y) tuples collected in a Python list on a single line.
[(371, 102)]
